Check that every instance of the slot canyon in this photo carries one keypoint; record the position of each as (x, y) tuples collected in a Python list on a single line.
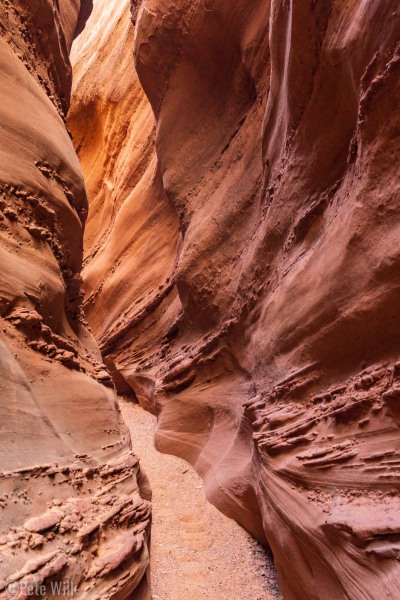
[(199, 299)]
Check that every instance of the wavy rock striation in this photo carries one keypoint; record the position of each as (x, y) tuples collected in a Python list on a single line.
[(245, 282), (132, 235), (74, 503)]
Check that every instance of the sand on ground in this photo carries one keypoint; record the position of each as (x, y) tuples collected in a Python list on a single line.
[(196, 552)]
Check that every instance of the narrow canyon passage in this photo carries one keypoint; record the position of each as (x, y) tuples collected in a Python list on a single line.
[(130, 247), (241, 276), (200, 209), (196, 552)]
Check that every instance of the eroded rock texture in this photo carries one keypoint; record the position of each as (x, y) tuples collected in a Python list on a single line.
[(132, 235), (74, 505), (265, 336)]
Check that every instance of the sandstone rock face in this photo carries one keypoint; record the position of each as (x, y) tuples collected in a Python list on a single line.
[(265, 335), (74, 504), (132, 236)]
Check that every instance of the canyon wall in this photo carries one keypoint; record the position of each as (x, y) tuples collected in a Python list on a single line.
[(74, 503), (243, 281), (132, 234)]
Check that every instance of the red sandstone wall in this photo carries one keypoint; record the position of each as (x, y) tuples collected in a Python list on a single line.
[(267, 338), (70, 488)]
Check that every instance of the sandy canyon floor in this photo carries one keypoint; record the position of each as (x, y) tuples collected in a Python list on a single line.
[(196, 551)]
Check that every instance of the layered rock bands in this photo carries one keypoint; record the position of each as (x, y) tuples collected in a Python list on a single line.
[(74, 505), (242, 268)]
